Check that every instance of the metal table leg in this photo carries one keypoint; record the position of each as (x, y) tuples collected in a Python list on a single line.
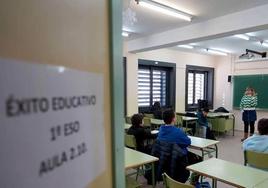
[(153, 175)]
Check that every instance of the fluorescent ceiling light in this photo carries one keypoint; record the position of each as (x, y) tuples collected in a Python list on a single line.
[(186, 46), (242, 36), (216, 52), (265, 44), (164, 9), (125, 34)]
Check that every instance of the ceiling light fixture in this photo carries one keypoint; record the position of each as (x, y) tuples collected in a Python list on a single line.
[(125, 34), (165, 9), (186, 46), (242, 36), (265, 44), (216, 52)]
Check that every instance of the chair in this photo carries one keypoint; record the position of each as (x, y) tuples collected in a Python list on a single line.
[(147, 122), (179, 120), (130, 141), (128, 119), (148, 115), (256, 159), (170, 183), (131, 183), (180, 124)]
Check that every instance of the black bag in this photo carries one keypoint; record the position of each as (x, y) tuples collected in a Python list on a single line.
[(221, 109)]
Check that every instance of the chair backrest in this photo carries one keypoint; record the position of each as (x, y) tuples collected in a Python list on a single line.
[(128, 119), (148, 115), (130, 141), (147, 121), (170, 183), (256, 159), (179, 120)]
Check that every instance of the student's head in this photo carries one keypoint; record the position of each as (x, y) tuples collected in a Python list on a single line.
[(263, 126), (169, 116), (157, 104), (136, 120), (205, 111)]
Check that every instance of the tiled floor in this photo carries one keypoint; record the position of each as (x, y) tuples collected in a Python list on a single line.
[(229, 149)]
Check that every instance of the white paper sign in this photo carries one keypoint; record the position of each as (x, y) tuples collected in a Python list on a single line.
[(51, 126)]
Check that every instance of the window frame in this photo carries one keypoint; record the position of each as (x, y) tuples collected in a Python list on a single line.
[(170, 82), (208, 86)]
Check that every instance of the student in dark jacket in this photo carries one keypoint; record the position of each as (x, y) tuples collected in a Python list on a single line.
[(171, 134), (141, 134), (156, 110), (203, 122)]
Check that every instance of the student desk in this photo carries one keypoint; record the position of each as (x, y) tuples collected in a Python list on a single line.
[(187, 119), (134, 159), (157, 122), (220, 122), (203, 145), (263, 184), (229, 173)]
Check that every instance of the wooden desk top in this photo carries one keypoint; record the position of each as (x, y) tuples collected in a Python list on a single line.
[(186, 118), (157, 121), (197, 142), (230, 173), (135, 158)]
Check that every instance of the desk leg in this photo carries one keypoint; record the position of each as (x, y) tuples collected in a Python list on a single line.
[(214, 183), (153, 175), (203, 155), (233, 123), (216, 149)]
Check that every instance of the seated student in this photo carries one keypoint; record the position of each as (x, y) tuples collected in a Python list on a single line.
[(258, 142), (171, 134), (156, 110), (203, 123), (141, 134)]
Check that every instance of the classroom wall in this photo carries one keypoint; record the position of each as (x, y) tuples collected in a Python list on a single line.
[(73, 34), (167, 55)]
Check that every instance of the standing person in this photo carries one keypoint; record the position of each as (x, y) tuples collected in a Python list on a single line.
[(248, 106), (141, 134)]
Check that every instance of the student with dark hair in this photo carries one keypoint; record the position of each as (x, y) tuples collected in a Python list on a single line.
[(171, 134), (258, 142), (141, 134), (156, 110), (204, 125)]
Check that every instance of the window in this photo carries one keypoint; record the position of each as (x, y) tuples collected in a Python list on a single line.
[(155, 84), (199, 85), (151, 86)]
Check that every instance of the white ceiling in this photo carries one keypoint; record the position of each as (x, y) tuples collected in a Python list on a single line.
[(232, 44), (149, 21)]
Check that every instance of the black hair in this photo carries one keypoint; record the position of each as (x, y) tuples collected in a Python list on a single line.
[(263, 126), (136, 120), (168, 116), (205, 110)]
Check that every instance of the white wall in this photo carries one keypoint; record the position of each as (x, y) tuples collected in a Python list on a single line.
[(167, 55)]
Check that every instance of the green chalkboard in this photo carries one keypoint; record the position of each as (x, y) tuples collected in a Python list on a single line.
[(258, 82)]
